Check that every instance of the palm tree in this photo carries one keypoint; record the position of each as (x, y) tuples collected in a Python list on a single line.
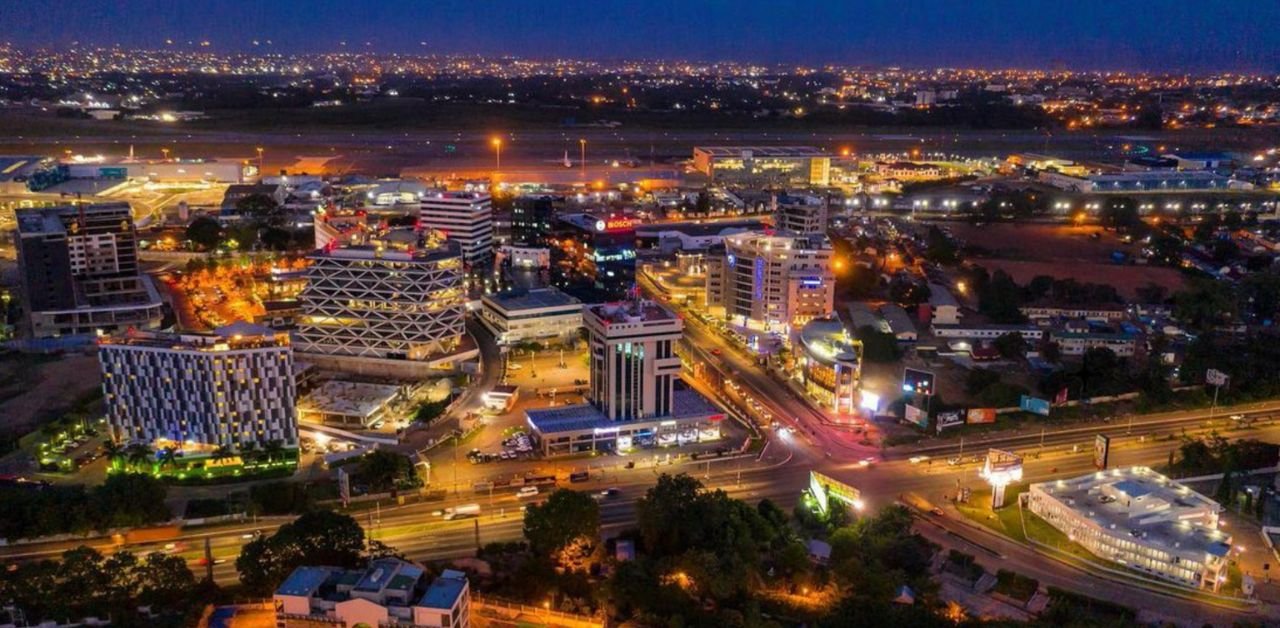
[(168, 457), (223, 452), (273, 450), (137, 455), (114, 453)]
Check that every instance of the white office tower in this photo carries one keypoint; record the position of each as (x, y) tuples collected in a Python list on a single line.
[(381, 304), (771, 282), (465, 218), (200, 391), (801, 215), (633, 360)]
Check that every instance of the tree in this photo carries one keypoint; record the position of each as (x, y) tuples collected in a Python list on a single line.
[(321, 537), (1000, 299), (567, 520), (1204, 304), (878, 346), (262, 209), (129, 500), (383, 470), (205, 233), (1011, 345)]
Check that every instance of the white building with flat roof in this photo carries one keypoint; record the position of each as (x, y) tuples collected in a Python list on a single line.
[(544, 314), (1139, 519), (771, 282), (200, 391), (633, 362), (465, 218), (390, 592)]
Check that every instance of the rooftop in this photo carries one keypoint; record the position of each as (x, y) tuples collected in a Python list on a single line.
[(444, 590), (685, 404), (1145, 505), (512, 300), (631, 312), (443, 250), (827, 340), (763, 151), (307, 580), (238, 335), (349, 398)]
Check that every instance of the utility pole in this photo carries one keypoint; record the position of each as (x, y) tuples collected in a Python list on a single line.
[(582, 143)]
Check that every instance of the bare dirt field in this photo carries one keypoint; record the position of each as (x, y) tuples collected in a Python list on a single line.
[(35, 388), (1062, 251)]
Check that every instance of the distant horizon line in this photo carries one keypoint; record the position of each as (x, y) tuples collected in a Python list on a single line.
[(265, 50)]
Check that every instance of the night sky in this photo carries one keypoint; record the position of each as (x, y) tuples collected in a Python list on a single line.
[(1195, 35)]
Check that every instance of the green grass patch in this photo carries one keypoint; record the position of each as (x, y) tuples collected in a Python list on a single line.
[(1004, 521)]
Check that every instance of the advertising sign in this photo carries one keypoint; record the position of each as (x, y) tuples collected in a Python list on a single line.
[(917, 416), (977, 416), (949, 419), (825, 488), (917, 382), (1101, 451), (1214, 377), (1034, 405)]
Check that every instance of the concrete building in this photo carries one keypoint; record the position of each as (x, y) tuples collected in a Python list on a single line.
[(593, 257), (899, 321), (200, 391), (764, 165), (908, 171), (831, 365), (1122, 343), (368, 308), (987, 331), (390, 592), (1141, 181), (78, 267), (771, 282), (541, 315), (465, 218), (1101, 313), (801, 215), (636, 399), (531, 219), (1141, 520), (943, 307), (349, 404)]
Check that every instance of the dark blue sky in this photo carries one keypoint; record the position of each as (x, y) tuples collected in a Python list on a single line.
[(1199, 35)]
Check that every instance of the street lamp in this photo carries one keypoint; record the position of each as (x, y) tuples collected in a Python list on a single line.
[(497, 147), (582, 144), (259, 161)]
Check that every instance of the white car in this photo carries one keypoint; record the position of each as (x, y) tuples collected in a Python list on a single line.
[(528, 491), (917, 459)]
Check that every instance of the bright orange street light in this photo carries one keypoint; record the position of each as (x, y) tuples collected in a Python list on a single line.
[(497, 146)]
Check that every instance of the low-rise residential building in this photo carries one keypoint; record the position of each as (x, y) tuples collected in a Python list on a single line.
[(1112, 312), (1139, 519), (390, 592), (541, 315), (899, 321), (988, 331), (944, 308), (1122, 343)]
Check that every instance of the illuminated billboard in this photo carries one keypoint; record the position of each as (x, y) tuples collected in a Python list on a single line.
[(978, 416), (825, 488)]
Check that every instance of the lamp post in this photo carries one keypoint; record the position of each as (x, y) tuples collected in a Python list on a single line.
[(582, 144), (497, 147), (259, 161)]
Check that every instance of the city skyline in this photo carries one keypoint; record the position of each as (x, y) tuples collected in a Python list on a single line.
[(1182, 36)]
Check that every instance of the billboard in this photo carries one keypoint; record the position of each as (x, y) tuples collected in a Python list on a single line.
[(917, 416), (825, 488), (1214, 377), (1101, 451), (949, 419), (977, 416), (1034, 405), (917, 382)]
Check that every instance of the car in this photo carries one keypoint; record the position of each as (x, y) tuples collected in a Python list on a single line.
[(954, 460), (528, 491), (917, 459), (1237, 417), (937, 512), (868, 461), (715, 352)]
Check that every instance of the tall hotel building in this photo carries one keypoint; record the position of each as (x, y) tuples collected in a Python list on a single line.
[(79, 271), (465, 218), (803, 215), (771, 282), (200, 391), (375, 309)]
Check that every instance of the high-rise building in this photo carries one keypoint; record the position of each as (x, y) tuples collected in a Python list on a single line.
[(373, 303), (636, 397), (465, 218), (594, 257), (802, 215), (79, 271), (200, 391), (633, 360), (771, 282), (531, 218)]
